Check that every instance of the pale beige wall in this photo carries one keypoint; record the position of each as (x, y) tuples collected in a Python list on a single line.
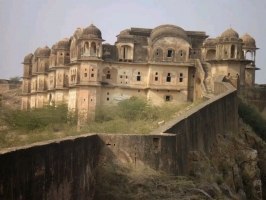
[(179, 76), (250, 77), (72, 98), (112, 95), (157, 97), (33, 101)]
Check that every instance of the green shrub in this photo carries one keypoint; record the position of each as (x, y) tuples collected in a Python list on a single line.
[(252, 117), (39, 118)]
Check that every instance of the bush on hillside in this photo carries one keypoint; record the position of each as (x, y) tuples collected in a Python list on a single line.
[(39, 118), (252, 117)]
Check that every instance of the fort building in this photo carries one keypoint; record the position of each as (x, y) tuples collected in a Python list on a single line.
[(162, 64)]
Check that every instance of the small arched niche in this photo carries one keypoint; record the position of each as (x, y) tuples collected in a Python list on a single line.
[(211, 53)]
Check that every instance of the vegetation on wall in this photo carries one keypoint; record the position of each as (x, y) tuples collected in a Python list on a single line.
[(130, 116), (252, 117), (133, 116)]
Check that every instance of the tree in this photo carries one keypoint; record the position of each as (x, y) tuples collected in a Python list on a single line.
[(14, 80)]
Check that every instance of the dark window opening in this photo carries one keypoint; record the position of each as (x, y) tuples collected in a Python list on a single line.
[(91, 69), (169, 53), (108, 76), (120, 76), (156, 73), (157, 52), (91, 99), (124, 72), (126, 77), (85, 75), (193, 76), (194, 52), (181, 74), (107, 93), (156, 78), (92, 75), (138, 78), (168, 91), (180, 79), (108, 72), (168, 78), (138, 90), (156, 143), (126, 82), (85, 69), (107, 99), (167, 98), (138, 73), (67, 54)]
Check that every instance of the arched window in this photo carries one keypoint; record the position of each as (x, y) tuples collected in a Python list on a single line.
[(86, 47), (233, 51), (93, 48), (248, 55), (126, 52)]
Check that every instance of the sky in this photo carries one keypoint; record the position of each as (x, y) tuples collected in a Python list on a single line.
[(26, 25)]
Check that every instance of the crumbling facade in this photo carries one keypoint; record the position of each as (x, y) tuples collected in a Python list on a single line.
[(162, 64)]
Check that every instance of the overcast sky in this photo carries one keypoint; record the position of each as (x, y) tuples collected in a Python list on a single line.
[(26, 25)]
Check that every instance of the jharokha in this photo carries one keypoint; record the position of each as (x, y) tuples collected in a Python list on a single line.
[(162, 64)]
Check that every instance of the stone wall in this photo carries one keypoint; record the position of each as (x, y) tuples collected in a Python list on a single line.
[(64, 169), (59, 170), (5, 87), (198, 128)]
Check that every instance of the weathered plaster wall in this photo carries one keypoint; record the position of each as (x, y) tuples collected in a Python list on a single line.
[(59, 170), (198, 128), (156, 151)]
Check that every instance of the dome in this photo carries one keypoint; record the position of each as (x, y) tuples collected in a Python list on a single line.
[(27, 58), (45, 52), (63, 44), (248, 40), (168, 31), (78, 32), (37, 51), (230, 33), (92, 31)]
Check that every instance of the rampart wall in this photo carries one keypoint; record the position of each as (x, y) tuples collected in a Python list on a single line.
[(63, 169)]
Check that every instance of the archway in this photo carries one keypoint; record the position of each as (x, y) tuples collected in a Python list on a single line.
[(233, 51)]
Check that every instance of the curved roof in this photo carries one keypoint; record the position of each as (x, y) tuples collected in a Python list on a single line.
[(42, 52), (168, 30), (92, 31), (27, 58), (63, 44), (248, 40), (230, 33)]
